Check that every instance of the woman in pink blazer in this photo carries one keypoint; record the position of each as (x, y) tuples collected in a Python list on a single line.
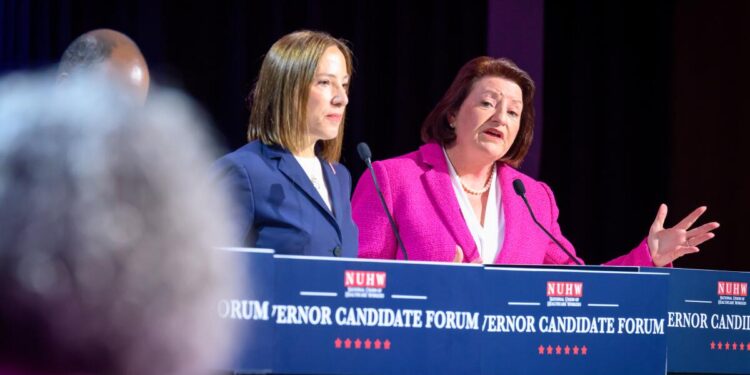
[(453, 199)]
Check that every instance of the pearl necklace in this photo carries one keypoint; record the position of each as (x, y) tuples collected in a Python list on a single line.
[(484, 188)]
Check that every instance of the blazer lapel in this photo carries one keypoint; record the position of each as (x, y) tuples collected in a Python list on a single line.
[(513, 209), (438, 184), (291, 169), (334, 189)]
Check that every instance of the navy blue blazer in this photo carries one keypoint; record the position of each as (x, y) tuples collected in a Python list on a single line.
[(277, 206)]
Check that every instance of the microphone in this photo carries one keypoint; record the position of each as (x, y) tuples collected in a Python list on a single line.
[(521, 191), (364, 153)]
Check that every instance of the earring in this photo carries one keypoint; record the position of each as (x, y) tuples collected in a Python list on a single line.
[(452, 125)]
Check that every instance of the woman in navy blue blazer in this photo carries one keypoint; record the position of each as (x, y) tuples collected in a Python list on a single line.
[(291, 194)]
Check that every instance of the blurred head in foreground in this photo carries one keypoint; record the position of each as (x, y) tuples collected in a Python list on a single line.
[(106, 232)]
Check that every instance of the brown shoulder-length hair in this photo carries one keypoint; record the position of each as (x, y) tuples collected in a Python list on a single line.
[(279, 99), (436, 127)]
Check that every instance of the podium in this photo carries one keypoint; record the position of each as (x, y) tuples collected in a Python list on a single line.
[(590, 320), (708, 322), (353, 316)]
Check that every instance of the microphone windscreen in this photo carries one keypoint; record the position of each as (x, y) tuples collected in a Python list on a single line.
[(518, 187), (364, 151)]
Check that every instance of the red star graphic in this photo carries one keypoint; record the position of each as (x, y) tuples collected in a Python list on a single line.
[(541, 349), (734, 346), (558, 350), (584, 350), (377, 344), (567, 350), (368, 343), (713, 345), (337, 343), (726, 345), (357, 343), (348, 343), (575, 350), (387, 344), (720, 345), (549, 349), (742, 346)]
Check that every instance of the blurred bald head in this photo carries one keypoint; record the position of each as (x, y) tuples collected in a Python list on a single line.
[(111, 53)]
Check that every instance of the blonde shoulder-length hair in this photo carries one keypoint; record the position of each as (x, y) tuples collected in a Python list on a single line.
[(279, 99)]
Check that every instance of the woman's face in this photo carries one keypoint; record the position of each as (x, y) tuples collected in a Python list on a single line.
[(489, 118), (328, 96)]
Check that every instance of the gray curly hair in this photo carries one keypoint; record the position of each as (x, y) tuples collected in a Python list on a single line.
[(106, 232)]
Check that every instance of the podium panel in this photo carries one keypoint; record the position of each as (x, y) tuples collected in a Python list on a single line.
[(708, 325), (351, 316), (249, 312), (568, 321)]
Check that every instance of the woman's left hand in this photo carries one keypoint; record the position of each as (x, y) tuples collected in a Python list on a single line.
[(666, 245)]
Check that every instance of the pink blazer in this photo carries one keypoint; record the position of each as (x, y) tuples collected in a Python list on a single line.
[(419, 195)]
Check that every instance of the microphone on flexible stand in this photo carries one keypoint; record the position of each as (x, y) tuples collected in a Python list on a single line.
[(521, 191), (364, 153)]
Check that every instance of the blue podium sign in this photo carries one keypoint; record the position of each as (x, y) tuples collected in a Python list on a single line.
[(353, 316), (708, 327), (336, 315), (249, 312), (568, 321)]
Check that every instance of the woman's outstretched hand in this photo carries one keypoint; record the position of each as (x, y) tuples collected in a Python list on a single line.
[(668, 244)]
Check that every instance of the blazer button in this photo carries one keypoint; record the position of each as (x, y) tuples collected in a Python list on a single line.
[(336, 251)]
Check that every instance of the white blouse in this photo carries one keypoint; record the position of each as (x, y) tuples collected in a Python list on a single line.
[(489, 239), (314, 171)]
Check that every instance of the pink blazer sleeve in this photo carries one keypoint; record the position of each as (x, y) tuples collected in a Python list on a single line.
[(376, 239), (640, 256)]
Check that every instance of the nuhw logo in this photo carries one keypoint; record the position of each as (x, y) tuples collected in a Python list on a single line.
[(364, 284), (564, 289), (732, 288), (364, 279)]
